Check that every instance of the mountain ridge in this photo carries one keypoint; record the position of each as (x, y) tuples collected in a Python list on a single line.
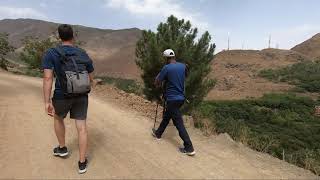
[(113, 51), (310, 47)]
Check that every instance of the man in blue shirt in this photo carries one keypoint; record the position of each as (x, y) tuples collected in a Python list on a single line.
[(173, 75), (61, 105)]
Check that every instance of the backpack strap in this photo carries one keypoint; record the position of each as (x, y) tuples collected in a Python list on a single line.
[(76, 67), (64, 58), (61, 52)]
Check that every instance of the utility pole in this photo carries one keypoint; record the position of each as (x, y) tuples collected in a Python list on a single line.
[(269, 41), (228, 41)]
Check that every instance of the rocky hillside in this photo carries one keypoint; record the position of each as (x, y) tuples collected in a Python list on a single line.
[(236, 72), (310, 47), (112, 50)]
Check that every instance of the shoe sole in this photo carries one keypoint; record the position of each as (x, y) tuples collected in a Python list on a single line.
[(82, 171), (61, 155), (155, 136), (191, 154), (188, 153)]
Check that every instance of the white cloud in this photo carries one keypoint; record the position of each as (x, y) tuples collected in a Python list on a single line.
[(159, 8), (16, 12)]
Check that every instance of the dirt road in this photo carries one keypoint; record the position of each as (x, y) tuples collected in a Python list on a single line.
[(120, 144)]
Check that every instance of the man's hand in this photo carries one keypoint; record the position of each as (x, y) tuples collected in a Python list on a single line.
[(93, 83), (47, 85), (49, 109)]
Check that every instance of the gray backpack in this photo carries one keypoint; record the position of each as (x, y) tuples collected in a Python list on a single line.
[(73, 76)]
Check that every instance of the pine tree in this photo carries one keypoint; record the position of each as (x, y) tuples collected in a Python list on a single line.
[(182, 38)]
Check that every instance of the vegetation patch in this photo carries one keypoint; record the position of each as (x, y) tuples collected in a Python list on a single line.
[(127, 85), (304, 75), (3, 64), (282, 125)]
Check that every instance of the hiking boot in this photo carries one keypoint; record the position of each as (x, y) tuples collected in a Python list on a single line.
[(189, 153), (83, 166), (154, 134), (61, 152)]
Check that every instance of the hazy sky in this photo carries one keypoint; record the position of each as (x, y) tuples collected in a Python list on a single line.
[(249, 22)]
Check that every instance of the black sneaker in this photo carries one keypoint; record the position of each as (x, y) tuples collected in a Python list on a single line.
[(189, 153), (83, 166), (154, 134), (61, 152)]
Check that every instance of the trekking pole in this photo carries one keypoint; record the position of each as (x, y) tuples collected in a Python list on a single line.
[(155, 118), (164, 108)]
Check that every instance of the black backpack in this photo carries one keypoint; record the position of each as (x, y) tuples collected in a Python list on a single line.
[(73, 76)]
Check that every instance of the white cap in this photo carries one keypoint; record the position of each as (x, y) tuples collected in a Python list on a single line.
[(169, 53)]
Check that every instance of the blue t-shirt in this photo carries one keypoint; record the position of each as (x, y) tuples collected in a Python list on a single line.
[(174, 75), (51, 60)]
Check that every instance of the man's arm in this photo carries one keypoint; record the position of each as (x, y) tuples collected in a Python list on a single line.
[(157, 82), (160, 77), (92, 82), (47, 86), (90, 69)]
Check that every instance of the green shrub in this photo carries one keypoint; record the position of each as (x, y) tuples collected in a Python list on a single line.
[(127, 85), (3, 64), (275, 123), (34, 50), (33, 72), (28, 72), (305, 75), (5, 47)]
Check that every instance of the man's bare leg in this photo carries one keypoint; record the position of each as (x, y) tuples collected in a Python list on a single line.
[(60, 131), (83, 139)]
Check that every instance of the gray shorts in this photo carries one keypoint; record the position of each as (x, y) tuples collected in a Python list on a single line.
[(77, 106)]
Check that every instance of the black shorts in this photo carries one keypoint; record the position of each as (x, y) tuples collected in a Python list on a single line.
[(77, 106)]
